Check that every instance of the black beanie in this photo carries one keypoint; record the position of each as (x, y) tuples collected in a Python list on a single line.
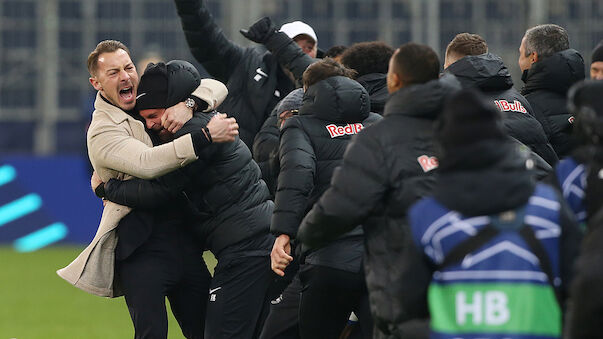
[(585, 102), (293, 101), (597, 53), (164, 85), (467, 118), (153, 87)]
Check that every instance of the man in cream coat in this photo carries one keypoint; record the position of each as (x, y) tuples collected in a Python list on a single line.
[(119, 147)]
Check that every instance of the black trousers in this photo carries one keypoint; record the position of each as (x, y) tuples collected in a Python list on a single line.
[(238, 295), (328, 297), (168, 264), (283, 320)]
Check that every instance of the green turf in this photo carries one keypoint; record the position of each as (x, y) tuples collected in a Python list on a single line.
[(36, 303)]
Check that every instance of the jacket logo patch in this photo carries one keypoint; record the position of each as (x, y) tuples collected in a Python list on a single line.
[(339, 131), (428, 163), (506, 106), (259, 74), (571, 119)]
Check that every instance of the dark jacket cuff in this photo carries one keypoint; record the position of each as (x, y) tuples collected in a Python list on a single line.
[(199, 141)]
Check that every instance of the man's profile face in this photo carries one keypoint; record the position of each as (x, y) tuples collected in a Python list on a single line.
[(116, 79), (307, 44), (152, 118), (525, 62), (596, 70)]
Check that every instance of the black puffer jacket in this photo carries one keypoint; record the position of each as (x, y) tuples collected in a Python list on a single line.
[(488, 73), (265, 148), (385, 169), (311, 147), (253, 75), (228, 199), (546, 86), (376, 86), (584, 312)]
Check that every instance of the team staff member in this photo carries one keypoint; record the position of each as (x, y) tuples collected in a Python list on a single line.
[(386, 167), (468, 59), (119, 147), (312, 144), (254, 76), (232, 210), (549, 69)]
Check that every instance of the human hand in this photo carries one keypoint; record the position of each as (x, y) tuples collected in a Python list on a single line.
[(175, 117), (95, 180), (261, 31), (280, 256), (222, 128)]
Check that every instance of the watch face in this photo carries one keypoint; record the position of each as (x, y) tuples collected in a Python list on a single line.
[(190, 103)]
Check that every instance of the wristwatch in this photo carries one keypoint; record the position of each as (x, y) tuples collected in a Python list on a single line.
[(190, 103)]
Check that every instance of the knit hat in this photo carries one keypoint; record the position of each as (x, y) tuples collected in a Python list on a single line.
[(153, 87), (164, 85), (468, 118), (597, 53), (292, 101)]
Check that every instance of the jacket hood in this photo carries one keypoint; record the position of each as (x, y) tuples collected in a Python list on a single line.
[(486, 72), (376, 86), (422, 100), (484, 178), (556, 73), (337, 99)]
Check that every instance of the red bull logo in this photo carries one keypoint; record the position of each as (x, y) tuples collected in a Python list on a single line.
[(506, 106), (428, 163), (339, 131)]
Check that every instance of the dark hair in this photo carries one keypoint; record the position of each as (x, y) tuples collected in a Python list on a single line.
[(323, 69), (416, 64), (335, 51), (105, 46), (465, 44), (546, 40), (368, 57)]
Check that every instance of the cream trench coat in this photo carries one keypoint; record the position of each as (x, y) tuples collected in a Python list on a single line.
[(120, 148)]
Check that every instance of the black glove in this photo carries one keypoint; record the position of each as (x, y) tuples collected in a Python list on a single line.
[(261, 31)]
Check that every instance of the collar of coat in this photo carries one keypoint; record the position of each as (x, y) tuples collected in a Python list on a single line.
[(116, 114)]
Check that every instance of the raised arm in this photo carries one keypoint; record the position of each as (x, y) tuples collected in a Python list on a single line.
[(207, 42), (287, 52)]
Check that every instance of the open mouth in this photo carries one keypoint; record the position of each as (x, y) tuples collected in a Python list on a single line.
[(126, 94)]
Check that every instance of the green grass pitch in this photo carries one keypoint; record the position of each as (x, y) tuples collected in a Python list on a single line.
[(37, 304)]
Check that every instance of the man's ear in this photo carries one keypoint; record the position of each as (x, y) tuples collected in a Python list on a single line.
[(95, 83), (534, 57), (398, 83)]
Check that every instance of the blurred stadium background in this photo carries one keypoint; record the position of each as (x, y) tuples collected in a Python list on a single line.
[(46, 102)]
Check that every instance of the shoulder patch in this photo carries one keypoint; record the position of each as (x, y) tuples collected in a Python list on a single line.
[(428, 163)]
